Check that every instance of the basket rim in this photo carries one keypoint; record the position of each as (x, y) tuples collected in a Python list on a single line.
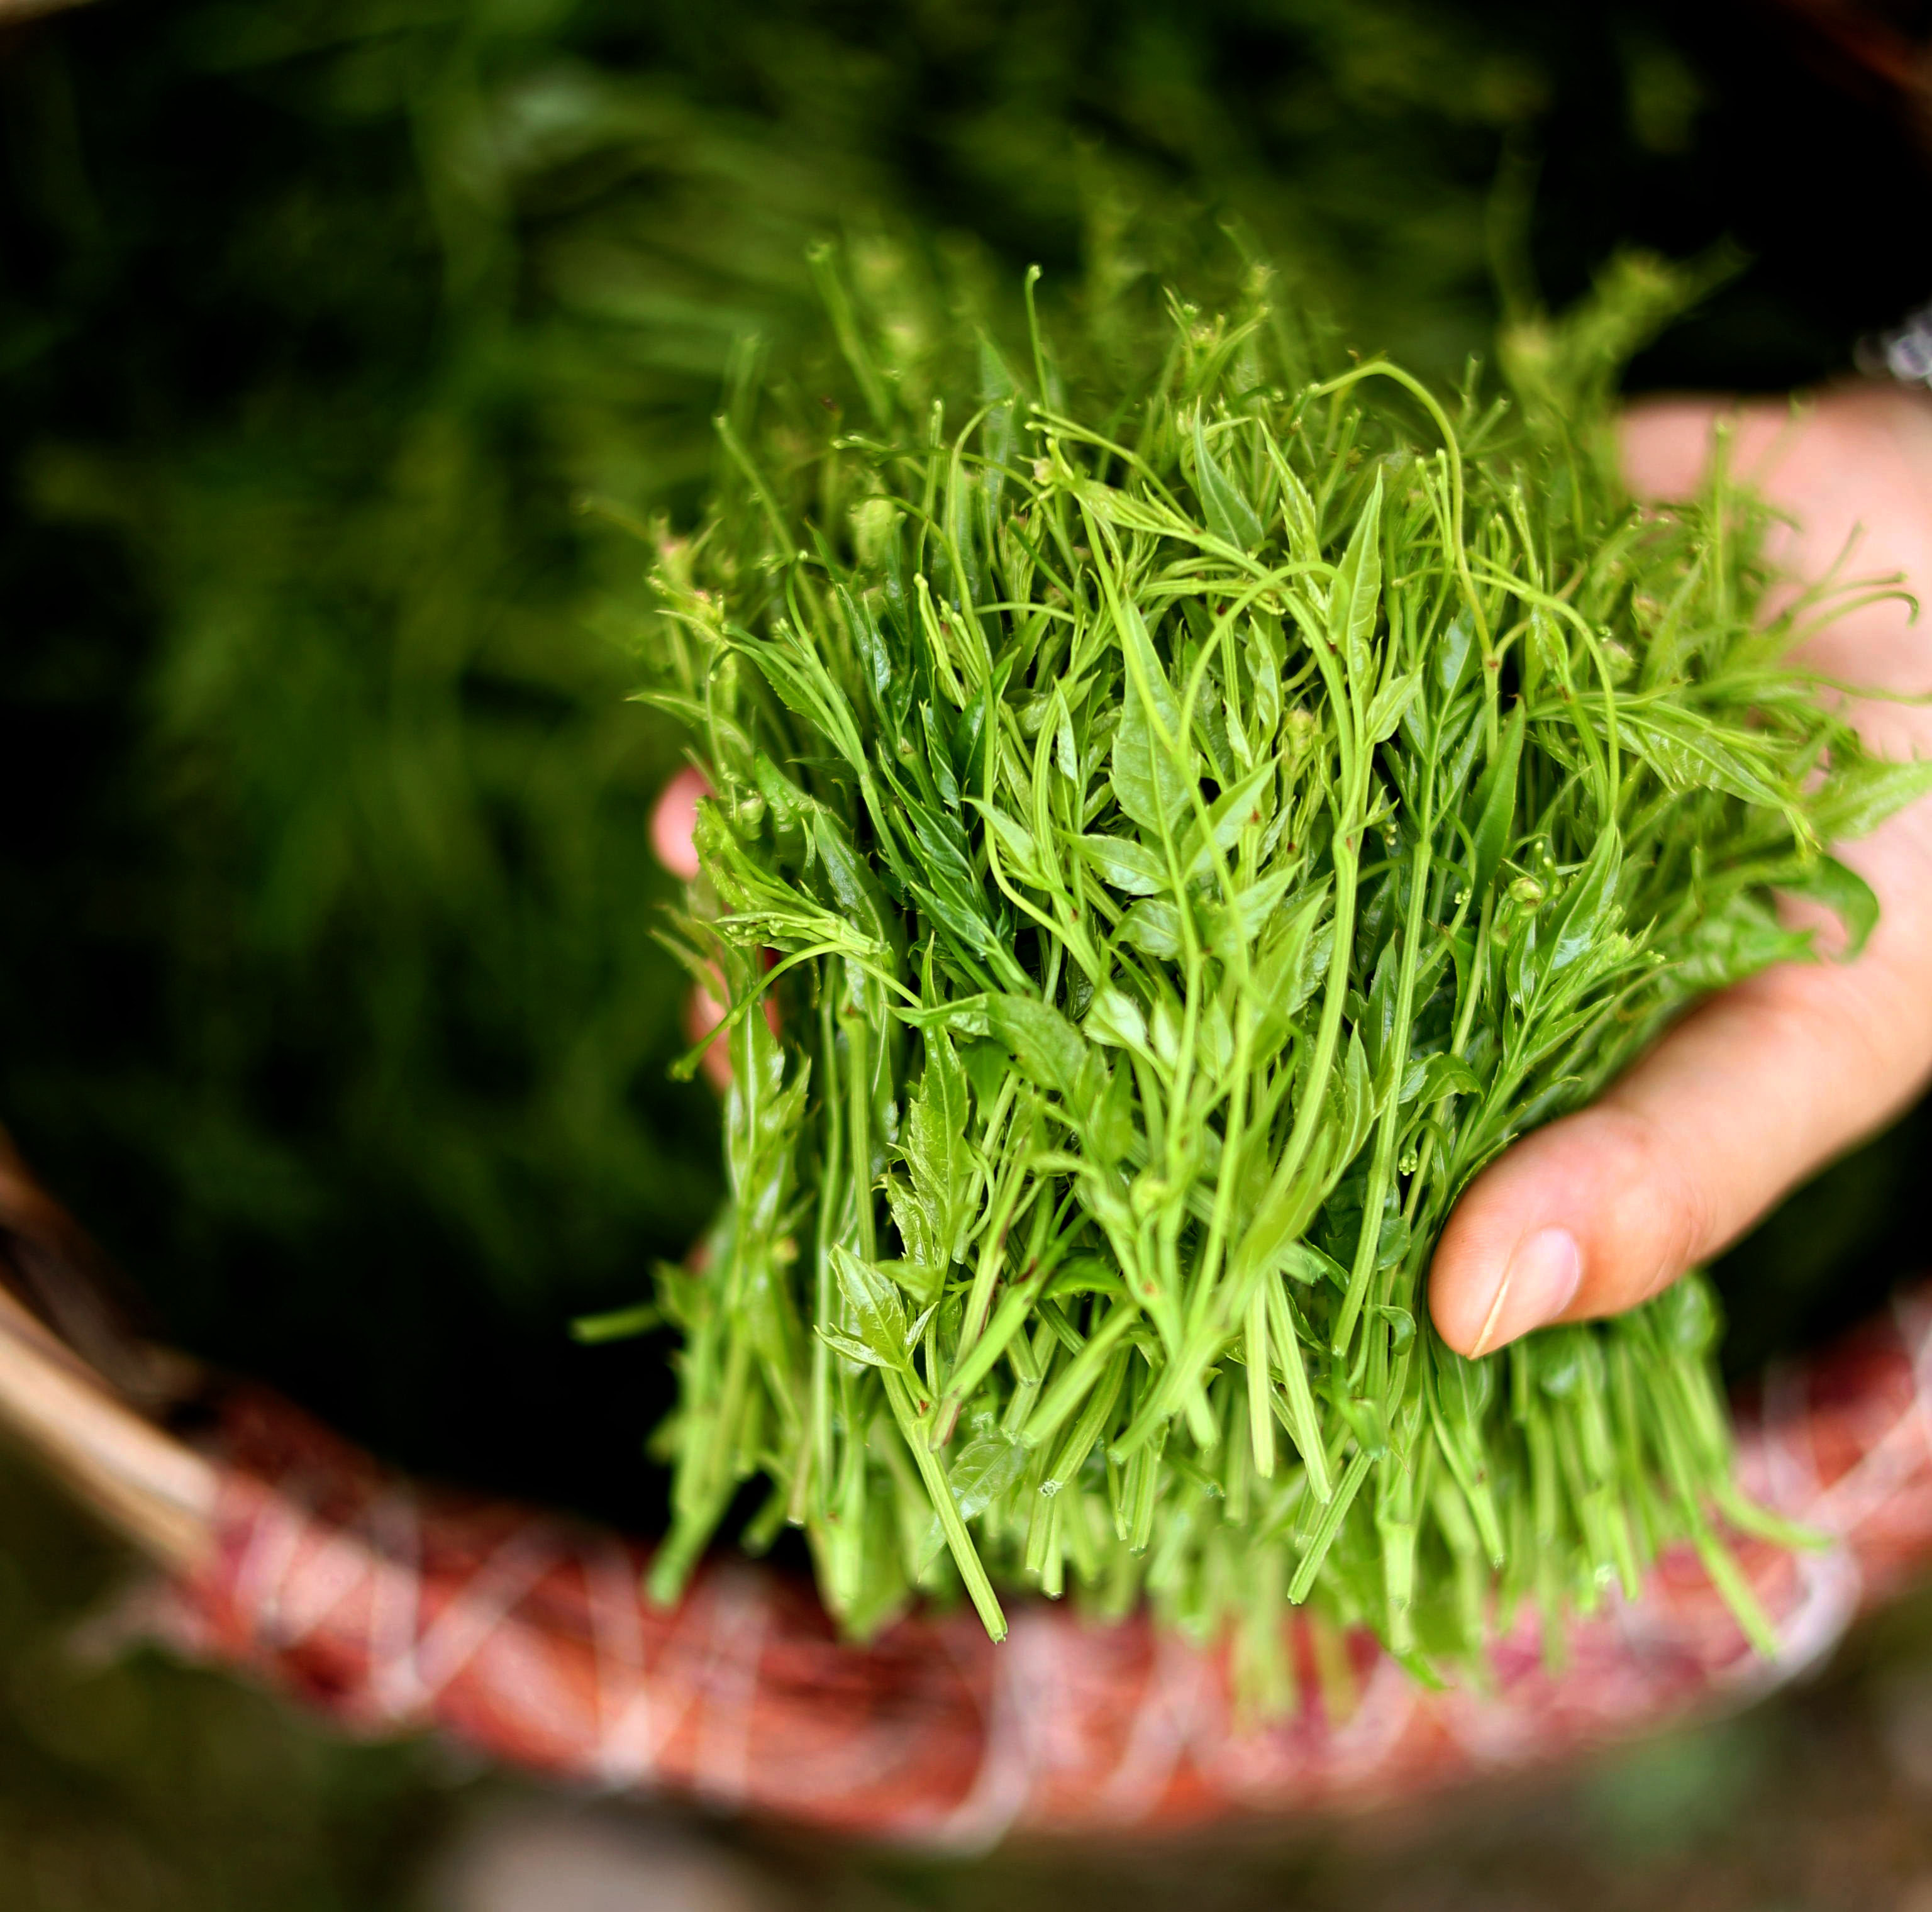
[(143, 1483)]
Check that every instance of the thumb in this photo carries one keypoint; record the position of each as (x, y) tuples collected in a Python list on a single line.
[(1750, 1094)]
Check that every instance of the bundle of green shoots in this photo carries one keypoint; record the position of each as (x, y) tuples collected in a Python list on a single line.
[(1172, 827)]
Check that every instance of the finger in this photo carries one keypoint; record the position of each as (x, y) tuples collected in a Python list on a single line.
[(1666, 444), (674, 824), (703, 1013), (1745, 1098)]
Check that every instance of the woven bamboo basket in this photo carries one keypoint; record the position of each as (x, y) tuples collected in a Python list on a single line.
[(284, 1552)]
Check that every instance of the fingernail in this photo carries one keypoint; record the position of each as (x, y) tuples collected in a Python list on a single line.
[(1541, 1279)]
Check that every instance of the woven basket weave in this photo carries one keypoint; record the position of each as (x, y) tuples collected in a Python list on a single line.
[(393, 1607)]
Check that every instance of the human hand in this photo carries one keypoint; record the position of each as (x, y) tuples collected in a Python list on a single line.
[(1769, 1082)]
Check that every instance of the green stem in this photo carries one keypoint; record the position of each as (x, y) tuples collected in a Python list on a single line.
[(1303, 1423), (1368, 1247), (912, 1428), (1261, 1407), (1308, 1115), (1329, 1526), (831, 1170), (859, 1104), (1065, 1395)]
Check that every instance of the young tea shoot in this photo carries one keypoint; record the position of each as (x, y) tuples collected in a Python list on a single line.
[(1176, 816)]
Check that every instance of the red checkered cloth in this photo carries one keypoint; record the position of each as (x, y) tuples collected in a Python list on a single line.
[(395, 1607)]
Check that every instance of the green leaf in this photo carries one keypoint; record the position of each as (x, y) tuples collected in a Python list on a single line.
[(1127, 866), (1154, 927), (1495, 804), (1356, 593), (1352, 1097), (1302, 1261), (1521, 970), (1299, 518), (1390, 702), (983, 1470), (1049, 1050), (1578, 918), (1688, 1316), (1086, 1275), (1131, 513), (921, 1278), (1115, 1019), (1233, 811), (1150, 781), (1847, 895), (937, 765), (1377, 1027), (1238, 925), (935, 1147), (1392, 1241), (852, 882), (1738, 942), (1109, 1129), (1065, 758), (965, 1015), (1861, 796), (1015, 840), (1455, 656), (872, 1302), (1691, 751), (854, 1350), (1230, 517), (1443, 1074), (1265, 653), (1292, 970), (987, 1068)]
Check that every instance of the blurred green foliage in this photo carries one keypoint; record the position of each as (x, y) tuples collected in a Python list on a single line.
[(328, 995)]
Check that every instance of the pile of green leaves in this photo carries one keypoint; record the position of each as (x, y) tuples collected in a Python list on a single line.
[(1182, 815)]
